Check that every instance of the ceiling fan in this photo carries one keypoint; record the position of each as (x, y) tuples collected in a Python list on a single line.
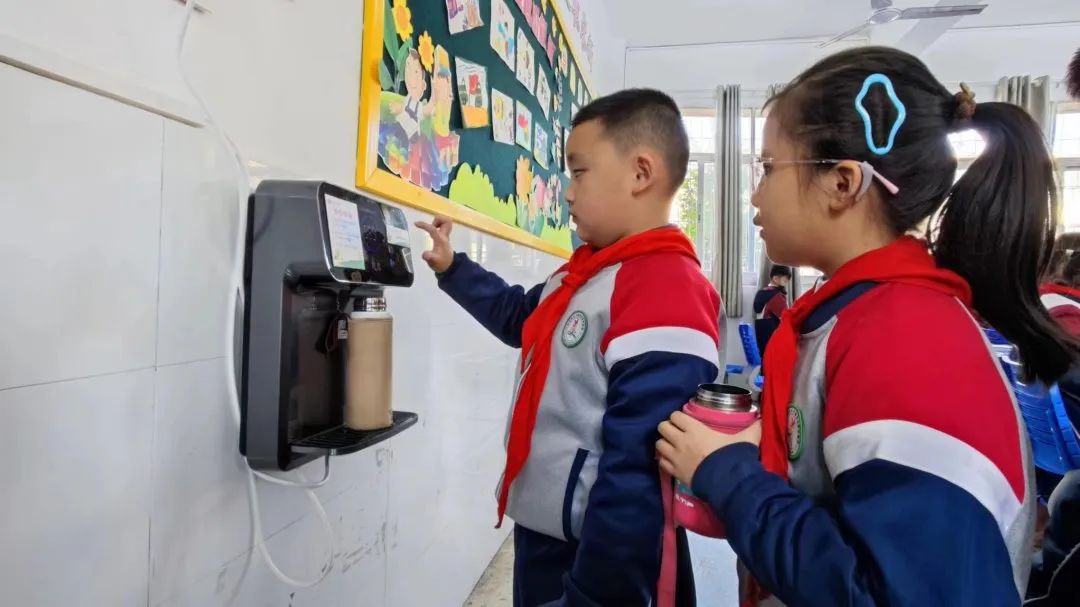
[(885, 12)]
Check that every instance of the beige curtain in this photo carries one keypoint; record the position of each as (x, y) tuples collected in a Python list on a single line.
[(1032, 94), (727, 265)]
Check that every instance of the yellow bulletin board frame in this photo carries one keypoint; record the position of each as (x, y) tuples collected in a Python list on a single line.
[(380, 182)]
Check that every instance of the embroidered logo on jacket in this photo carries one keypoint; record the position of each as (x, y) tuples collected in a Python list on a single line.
[(795, 431), (577, 325)]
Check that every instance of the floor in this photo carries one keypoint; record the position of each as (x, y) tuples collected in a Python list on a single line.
[(495, 587), (714, 573)]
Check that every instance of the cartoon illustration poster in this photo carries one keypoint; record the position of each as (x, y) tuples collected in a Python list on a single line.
[(524, 126), (543, 94), (415, 140), (503, 32), (557, 148), (540, 147), (472, 93), (502, 117), (526, 62), (463, 15)]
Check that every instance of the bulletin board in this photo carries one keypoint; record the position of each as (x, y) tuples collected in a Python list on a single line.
[(465, 106)]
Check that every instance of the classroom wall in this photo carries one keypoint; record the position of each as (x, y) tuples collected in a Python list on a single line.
[(122, 480), (608, 57)]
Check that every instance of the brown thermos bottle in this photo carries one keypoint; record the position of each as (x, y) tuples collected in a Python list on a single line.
[(368, 393)]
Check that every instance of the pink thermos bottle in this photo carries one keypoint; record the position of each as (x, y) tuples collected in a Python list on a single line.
[(724, 408)]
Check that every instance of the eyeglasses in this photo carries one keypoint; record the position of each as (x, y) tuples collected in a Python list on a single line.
[(761, 167)]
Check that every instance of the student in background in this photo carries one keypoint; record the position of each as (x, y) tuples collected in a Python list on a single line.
[(616, 340), (893, 468), (770, 304), (1055, 570), (1060, 294)]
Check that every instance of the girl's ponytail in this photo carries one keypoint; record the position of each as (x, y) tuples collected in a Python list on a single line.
[(996, 229)]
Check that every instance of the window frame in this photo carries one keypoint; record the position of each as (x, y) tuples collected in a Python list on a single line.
[(752, 270), (1064, 164), (699, 160)]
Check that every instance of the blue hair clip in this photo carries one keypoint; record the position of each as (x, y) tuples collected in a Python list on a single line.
[(901, 112)]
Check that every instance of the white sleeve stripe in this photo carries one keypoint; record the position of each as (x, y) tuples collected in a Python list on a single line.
[(1054, 300), (929, 450), (680, 340)]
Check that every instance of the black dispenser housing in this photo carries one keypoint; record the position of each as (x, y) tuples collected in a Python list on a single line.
[(314, 250)]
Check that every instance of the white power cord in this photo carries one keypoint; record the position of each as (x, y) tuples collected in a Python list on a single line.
[(235, 288)]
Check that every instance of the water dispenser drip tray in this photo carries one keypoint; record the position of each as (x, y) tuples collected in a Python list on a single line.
[(343, 441)]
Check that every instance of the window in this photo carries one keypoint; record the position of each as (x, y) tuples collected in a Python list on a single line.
[(751, 136), (967, 145), (1066, 149), (1067, 133), (751, 129), (696, 210), (1070, 200), (695, 207), (702, 132), (1067, 155)]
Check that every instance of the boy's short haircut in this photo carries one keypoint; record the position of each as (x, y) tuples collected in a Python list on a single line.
[(783, 271), (643, 117)]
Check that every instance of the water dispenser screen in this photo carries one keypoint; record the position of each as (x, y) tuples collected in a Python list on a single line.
[(343, 227)]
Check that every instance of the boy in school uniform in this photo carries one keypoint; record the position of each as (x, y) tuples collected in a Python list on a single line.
[(614, 342), (770, 304)]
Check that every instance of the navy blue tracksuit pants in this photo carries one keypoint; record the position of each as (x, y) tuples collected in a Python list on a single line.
[(541, 561)]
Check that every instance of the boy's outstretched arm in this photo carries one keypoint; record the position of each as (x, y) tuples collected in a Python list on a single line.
[(499, 307)]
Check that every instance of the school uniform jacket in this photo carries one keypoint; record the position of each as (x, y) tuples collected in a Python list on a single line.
[(1065, 310), (910, 469), (635, 342)]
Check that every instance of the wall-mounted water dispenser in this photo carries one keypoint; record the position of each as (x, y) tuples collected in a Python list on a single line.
[(316, 331)]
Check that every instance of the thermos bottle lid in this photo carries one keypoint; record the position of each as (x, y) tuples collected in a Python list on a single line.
[(724, 397)]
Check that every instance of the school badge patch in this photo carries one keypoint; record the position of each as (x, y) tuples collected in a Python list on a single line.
[(795, 431), (575, 328)]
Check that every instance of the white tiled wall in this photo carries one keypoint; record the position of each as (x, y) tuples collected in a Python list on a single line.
[(123, 482), (81, 285)]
